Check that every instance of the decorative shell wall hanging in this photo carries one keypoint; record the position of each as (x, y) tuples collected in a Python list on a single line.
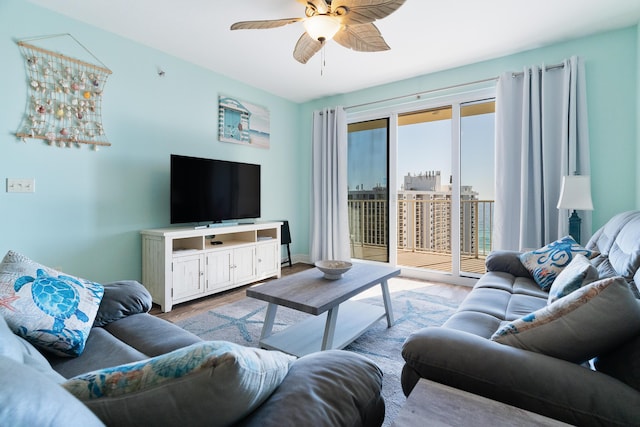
[(64, 103)]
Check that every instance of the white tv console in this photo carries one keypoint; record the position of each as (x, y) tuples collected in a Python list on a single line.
[(183, 263)]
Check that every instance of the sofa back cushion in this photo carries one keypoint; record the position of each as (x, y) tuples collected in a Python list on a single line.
[(618, 242)]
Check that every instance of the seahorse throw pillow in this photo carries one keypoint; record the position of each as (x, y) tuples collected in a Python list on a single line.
[(52, 310)]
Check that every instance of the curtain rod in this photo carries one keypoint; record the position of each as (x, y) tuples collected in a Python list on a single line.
[(418, 94), (547, 68)]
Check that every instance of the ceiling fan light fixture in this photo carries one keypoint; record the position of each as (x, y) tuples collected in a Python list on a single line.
[(321, 27)]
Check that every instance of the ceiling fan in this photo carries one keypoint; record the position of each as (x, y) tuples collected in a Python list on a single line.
[(348, 22)]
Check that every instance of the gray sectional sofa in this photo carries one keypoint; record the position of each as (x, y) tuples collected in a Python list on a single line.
[(467, 353), (332, 388)]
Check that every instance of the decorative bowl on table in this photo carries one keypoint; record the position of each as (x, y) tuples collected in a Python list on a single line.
[(333, 269)]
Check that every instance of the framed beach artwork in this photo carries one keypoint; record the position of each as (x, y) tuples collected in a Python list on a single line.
[(243, 122)]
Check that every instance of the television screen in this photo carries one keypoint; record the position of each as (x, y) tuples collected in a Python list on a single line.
[(208, 190)]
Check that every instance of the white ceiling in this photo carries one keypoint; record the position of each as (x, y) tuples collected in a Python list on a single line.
[(425, 36)]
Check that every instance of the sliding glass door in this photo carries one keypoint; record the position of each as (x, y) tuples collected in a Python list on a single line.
[(477, 137), (368, 171), (421, 186), (424, 189)]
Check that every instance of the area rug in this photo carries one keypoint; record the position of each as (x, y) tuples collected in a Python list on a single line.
[(413, 306)]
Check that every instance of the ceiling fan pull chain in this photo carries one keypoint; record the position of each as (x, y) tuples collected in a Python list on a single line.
[(323, 59)]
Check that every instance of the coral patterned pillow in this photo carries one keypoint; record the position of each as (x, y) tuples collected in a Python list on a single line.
[(215, 382), (50, 309), (588, 322), (546, 263)]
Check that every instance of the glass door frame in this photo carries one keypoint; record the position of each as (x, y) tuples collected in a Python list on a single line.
[(391, 114)]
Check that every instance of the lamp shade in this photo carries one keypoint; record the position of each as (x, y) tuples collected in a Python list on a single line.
[(321, 27), (576, 193)]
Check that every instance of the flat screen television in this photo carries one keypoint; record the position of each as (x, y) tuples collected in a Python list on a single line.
[(208, 190)]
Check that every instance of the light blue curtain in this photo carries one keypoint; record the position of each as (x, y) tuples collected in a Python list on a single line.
[(541, 135), (329, 214)]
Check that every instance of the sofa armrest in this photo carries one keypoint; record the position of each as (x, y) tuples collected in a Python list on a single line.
[(531, 381), (507, 262), (333, 388), (121, 299)]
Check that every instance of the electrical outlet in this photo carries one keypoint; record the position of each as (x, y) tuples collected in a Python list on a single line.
[(21, 185)]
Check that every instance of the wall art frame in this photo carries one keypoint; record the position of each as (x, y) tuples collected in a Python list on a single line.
[(243, 122)]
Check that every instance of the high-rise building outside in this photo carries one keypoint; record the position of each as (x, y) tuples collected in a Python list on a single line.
[(424, 215)]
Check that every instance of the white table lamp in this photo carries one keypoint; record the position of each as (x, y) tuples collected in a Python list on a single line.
[(575, 195)]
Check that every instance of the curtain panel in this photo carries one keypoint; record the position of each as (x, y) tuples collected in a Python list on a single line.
[(329, 209), (541, 135)]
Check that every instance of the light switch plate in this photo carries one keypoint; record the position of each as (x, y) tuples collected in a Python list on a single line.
[(21, 185)]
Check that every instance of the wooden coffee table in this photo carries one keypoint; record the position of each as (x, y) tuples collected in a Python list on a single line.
[(337, 322)]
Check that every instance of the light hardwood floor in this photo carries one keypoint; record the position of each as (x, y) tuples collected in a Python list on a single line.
[(192, 308)]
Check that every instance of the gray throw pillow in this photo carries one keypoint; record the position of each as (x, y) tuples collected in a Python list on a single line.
[(577, 274)]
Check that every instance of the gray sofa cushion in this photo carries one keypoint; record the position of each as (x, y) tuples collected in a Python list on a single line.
[(132, 338), (151, 335), (102, 351), (29, 398), (497, 298), (122, 299)]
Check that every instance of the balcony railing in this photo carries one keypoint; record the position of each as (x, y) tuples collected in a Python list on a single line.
[(424, 232)]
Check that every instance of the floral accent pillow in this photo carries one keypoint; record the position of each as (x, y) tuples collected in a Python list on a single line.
[(546, 263), (216, 382), (52, 310), (577, 274), (589, 321)]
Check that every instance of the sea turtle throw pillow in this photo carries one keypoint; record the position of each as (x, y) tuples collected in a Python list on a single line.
[(52, 310)]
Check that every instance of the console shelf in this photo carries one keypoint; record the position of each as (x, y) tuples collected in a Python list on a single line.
[(182, 263)]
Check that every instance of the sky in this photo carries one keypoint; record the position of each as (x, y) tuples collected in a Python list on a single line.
[(426, 147)]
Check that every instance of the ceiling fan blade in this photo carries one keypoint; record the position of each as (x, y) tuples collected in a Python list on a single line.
[(306, 48), (363, 38), (352, 12), (320, 5), (261, 25)]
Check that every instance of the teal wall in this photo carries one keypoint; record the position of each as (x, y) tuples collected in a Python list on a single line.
[(88, 207), (612, 72)]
